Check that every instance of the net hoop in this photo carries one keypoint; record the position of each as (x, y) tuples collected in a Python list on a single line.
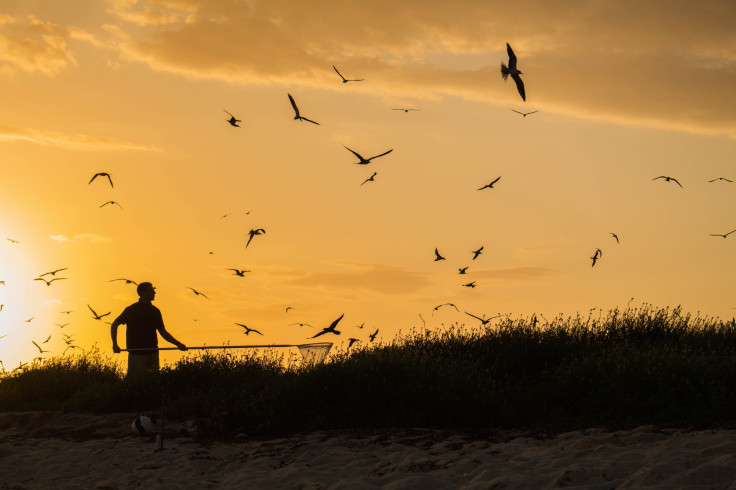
[(314, 353)]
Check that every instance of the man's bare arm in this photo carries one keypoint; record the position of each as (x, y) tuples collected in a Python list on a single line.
[(170, 338)]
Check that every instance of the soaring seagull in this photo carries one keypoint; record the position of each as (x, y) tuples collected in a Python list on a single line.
[(238, 272), (96, 316), (406, 110), (111, 202), (101, 174), (248, 330), (724, 236), (252, 233), (524, 113), (721, 178), (366, 161), (513, 71), (52, 273), (48, 283), (437, 255), (476, 253), (297, 116), (331, 328), (346, 80), (233, 121), (667, 179), (197, 292), (489, 186), (615, 236), (370, 179)]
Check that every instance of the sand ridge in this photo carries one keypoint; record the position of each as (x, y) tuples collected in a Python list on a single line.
[(52, 450)]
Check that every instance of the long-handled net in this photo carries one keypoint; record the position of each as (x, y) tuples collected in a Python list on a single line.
[(311, 353)]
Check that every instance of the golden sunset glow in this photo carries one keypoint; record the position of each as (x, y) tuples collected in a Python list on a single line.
[(625, 92)]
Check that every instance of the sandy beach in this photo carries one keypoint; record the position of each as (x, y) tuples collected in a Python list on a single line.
[(54, 450)]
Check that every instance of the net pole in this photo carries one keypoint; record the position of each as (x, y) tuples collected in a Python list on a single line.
[(211, 347)]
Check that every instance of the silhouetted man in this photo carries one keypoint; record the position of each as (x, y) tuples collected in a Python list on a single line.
[(142, 320)]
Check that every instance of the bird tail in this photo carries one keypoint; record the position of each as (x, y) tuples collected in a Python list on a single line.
[(504, 71)]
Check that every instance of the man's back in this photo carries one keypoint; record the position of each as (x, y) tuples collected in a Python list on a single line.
[(142, 321)]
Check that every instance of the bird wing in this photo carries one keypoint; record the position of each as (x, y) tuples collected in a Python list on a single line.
[(230, 114), (519, 86), (479, 318), (293, 104), (495, 180), (42, 279), (37, 346), (334, 324), (249, 239), (437, 254), (324, 331), (333, 66), (93, 178), (676, 181), (384, 153), (256, 331), (660, 177), (110, 180), (309, 120), (512, 57), (354, 153)]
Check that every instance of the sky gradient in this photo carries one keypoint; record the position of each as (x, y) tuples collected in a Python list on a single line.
[(626, 92)]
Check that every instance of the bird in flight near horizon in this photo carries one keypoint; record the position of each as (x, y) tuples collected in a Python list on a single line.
[(469, 285), (297, 116), (233, 121), (351, 341), (29, 320), (331, 328), (127, 281), (370, 179), (301, 324), (12, 241), (513, 71), (53, 273), (724, 236), (615, 236), (476, 253), (111, 202), (483, 320), (252, 233), (490, 186), (39, 347), (596, 255), (249, 330), (720, 178), (346, 80), (48, 283), (437, 255), (406, 110), (366, 161), (444, 304), (462, 270), (238, 272), (667, 179), (524, 113), (101, 174), (198, 293), (373, 335), (96, 316)]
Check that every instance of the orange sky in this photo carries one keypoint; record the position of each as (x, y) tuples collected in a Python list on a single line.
[(625, 92)]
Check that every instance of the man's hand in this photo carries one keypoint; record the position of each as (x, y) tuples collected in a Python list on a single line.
[(116, 348)]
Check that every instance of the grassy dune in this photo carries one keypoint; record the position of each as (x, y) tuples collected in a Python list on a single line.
[(637, 366)]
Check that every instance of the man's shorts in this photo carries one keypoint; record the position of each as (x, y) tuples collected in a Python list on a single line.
[(138, 363)]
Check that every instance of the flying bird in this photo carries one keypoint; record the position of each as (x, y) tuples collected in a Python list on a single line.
[(346, 80), (96, 316), (238, 272), (405, 110), (48, 283), (721, 178), (490, 186), (111, 202), (301, 324), (513, 71), (444, 304), (52, 273), (331, 328), (524, 113), (198, 293), (597, 255), (469, 285), (667, 179), (68, 311), (366, 161), (29, 320), (462, 270), (724, 236), (248, 330), (233, 121), (483, 320), (62, 325), (476, 253), (12, 241), (351, 341), (101, 174), (615, 236), (437, 255), (252, 233), (127, 281), (370, 179), (47, 340), (297, 116), (39, 347), (373, 335)]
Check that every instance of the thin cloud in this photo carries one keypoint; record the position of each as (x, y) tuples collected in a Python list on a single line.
[(32, 45), (92, 238), (69, 141), (656, 65), (516, 273), (380, 279)]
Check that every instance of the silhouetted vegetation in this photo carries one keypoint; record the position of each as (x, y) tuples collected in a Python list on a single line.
[(637, 366)]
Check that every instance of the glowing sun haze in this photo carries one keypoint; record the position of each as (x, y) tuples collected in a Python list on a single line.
[(625, 92)]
